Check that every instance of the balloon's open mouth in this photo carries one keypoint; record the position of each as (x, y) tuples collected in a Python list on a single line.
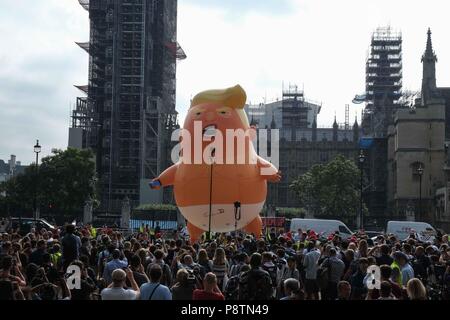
[(210, 131)]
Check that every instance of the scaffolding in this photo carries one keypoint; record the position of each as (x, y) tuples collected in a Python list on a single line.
[(83, 45), (84, 4), (294, 111), (84, 88), (383, 96), (129, 113), (383, 80), (347, 117)]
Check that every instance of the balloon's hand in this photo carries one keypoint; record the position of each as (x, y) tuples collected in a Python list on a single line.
[(275, 177), (155, 184)]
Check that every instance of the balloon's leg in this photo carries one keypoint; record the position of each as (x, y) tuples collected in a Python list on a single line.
[(194, 232), (255, 227)]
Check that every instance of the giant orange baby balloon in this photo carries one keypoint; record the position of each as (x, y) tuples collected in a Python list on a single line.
[(216, 171)]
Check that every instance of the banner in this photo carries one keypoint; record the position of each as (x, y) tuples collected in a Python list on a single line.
[(274, 222)]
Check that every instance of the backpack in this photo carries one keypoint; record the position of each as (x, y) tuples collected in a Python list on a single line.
[(273, 273), (255, 285), (281, 263), (323, 273), (166, 273), (232, 289), (103, 259), (235, 270)]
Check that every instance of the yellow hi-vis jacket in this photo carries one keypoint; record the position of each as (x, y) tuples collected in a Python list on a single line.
[(399, 280), (93, 232), (55, 257)]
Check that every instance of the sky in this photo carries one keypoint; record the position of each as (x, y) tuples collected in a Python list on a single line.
[(319, 45)]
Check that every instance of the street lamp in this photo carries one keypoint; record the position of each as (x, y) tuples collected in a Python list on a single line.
[(420, 173), (37, 150), (362, 159)]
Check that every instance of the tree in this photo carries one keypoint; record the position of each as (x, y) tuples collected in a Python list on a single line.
[(330, 190), (18, 192), (66, 179)]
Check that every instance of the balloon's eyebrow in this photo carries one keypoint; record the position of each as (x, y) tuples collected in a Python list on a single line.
[(197, 109)]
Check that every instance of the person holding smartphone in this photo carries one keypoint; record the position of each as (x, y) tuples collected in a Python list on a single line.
[(116, 290)]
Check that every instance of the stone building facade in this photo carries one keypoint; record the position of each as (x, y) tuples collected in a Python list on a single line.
[(301, 143), (417, 152)]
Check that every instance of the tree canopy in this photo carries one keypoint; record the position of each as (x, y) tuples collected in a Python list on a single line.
[(330, 189), (64, 181)]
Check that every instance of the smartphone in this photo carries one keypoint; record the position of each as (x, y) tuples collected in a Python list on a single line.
[(155, 184)]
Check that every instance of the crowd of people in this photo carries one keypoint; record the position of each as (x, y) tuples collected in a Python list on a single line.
[(293, 266)]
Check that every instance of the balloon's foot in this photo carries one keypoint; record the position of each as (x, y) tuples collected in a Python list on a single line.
[(255, 227), (194, 232)]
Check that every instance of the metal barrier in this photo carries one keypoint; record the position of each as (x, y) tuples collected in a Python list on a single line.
[(164, 225)]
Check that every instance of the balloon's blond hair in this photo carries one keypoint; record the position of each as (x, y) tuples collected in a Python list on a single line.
[(234, 97)]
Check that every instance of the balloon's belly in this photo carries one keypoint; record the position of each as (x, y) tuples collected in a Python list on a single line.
[(222, 217), (194, 190)]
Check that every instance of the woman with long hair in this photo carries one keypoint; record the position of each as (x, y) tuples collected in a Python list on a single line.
[(363, 249), (206, 265), (220, 267), (416, 290)]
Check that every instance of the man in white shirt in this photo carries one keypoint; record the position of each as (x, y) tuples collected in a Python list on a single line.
[(310, 263), (116, 290)]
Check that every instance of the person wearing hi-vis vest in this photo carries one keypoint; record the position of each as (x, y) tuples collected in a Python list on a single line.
[(92, 231), (396, 272), (55, 257), (402, 271)]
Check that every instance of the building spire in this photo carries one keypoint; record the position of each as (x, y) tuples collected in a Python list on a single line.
[(335, 124), (429, 53), (356, 130), (273, 124), (429, 60), (314, 129), (335, 128), (314, 124)]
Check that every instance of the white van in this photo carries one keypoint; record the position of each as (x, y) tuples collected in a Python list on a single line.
[(323, 227), (402, 229)]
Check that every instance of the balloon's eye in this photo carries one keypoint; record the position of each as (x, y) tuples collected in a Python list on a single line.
[(224, 113), (198, 114)]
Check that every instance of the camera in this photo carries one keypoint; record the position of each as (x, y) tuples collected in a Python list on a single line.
[(191, 277)]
